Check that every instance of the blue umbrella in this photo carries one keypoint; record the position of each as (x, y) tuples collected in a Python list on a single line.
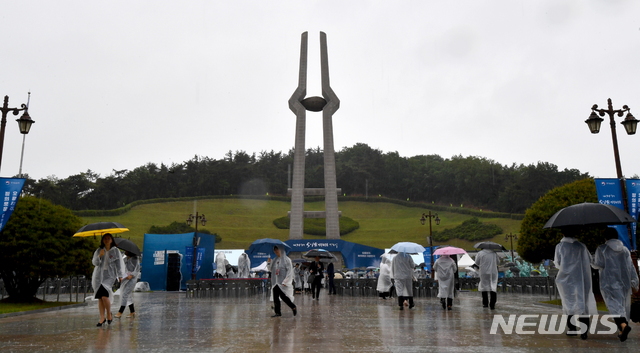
[(408, 247), (271, 242)]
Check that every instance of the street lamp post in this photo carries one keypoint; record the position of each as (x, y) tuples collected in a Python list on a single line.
[(24, 123), (423, 220), (512, 237), (196, 241), (5, 110), (630, 124)]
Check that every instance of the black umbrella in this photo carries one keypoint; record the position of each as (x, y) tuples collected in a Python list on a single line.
[(588, 213), (321, 253), (128, 245), (510, 264), (489, 245)]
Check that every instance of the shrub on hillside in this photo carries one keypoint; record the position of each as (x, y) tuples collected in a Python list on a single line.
[(317, 226), (471, 229), (180, 228)]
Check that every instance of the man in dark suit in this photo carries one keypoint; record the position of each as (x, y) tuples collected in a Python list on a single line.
[(330, 274), (316, 268)]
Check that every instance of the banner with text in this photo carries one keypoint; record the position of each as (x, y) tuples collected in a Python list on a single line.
[(10, 189), (610, 193)]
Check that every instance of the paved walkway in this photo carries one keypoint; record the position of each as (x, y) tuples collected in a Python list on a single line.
[(170, 322)]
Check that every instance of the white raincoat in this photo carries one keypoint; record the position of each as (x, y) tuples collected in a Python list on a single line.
[(402, 271), (617, 276), (487, 260), (282, 275), (107, 269), (296, 277), (384, 279), (244, 266), (573, 261), (445, 268), (131, 267), (221, 264)]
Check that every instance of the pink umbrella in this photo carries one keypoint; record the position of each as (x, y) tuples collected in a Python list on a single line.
[(449, 250)]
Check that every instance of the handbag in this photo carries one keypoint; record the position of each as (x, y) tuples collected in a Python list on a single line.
[(311, 279)]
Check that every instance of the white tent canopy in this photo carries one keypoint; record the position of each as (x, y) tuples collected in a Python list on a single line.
[(261, 268), (465, 261)]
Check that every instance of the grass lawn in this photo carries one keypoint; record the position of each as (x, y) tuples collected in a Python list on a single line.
[(6, 307), (241, 221), (601, 305)]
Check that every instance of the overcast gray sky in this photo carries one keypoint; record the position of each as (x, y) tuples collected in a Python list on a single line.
[(124, 83)]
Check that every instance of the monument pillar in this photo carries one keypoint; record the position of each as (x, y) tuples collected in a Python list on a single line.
[(328, 104)]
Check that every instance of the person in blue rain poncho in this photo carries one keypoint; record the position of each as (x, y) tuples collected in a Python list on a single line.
[(402, 272), (108, 267), (617, 278), (132, 270), (282, 281), (445, 268), (487, 261), (573, 281)]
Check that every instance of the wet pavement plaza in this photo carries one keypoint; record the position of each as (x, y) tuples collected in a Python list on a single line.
[(170, 322)]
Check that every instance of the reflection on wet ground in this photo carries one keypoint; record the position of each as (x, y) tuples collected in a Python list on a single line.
[(171, 322)]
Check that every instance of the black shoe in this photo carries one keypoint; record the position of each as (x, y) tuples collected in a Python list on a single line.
[(401, 307), (412, 306), (295, 311), (101, 323), (493, 308), (583, 336), (485, 306), (448, 308), (109, 321), (276, 315), (625, 333)]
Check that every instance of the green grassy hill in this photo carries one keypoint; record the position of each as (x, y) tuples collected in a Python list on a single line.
[(241, 221)]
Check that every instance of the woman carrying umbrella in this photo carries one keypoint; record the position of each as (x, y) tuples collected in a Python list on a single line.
[(108, 266), (402, 270), (132, 270), (282, 279), (617, 277), (445, 269)]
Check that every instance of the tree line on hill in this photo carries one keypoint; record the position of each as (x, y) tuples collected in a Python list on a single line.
[(361, 170)]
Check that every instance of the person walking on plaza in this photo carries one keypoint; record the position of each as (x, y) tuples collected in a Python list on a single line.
[(445, 269), (132, 270), (617, 278), (108, 267), (316, 269), (384, 279), (331, 273), (402, 273), (296, 278), (487, 261), (244, 266), (573, 281), (282, 280)]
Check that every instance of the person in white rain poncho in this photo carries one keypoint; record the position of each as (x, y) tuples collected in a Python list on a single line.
[(445, 269), (108, 267), (221, 264), (297, 281), (402, 271), (487, 261), (573, 281), (132, 270), (244, 266), (384, 279), (282, 281), (617, 277)]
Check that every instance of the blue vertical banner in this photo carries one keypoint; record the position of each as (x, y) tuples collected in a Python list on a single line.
[(10, 189), (199, 257), (188, 258), (610, 193), (633, 193)]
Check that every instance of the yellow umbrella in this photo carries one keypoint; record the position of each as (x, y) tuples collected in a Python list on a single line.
[(100, 228)]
